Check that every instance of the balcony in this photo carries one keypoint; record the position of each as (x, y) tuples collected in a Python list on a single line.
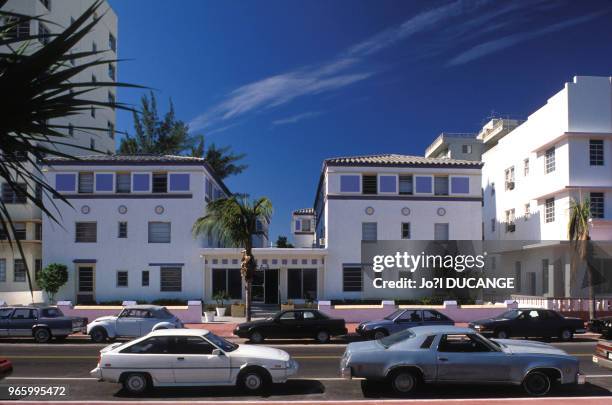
[(439, 147), (496, 129)]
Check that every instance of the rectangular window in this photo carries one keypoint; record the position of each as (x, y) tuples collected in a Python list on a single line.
[(140, 182), (86, 182), (349, 183), (170, 279), (46, 3), (545, 276), (37, 268), (549, 160), (405, 230), (123, 230), (122, 183), (20, 230), (460, 185), (510, 227), (388, 184), (466, 149), (369, 231), (179, 182), (2, 270), (21, 30), (228, 280), (596, 152), (306, 225), (159, 232), (526, 167), (597, 205), (352, 279), (509, 178), (527, 212), (19, 271), (110, 127), (423, 184), (441, 232), (405, 185), (144, 278), (86, 232), (549, 210), (111, 71), (493, 222), (112, 42), (122, 279), (104, 182), (92, 112), (12, 196), (65, 182), (369, 184), (44, 35), (160, 182), (302, 284), (441, 185)]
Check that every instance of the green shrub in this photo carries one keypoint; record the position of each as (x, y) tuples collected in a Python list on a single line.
[(52, 278)]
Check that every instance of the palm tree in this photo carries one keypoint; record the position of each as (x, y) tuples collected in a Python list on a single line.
[(234, 221), (36, 85), (579, 236)]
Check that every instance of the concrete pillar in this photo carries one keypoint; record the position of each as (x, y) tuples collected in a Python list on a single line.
[(567, 289)]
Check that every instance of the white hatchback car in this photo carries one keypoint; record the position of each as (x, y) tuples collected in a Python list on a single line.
[(191, 357)]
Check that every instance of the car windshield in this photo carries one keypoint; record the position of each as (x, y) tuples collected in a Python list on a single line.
[(52, 313), (508, 315), (394, 314), (390, 340), (223, 344)]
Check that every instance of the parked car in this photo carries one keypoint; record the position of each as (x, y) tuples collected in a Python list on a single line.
[(603, 353), (132, 321), (600, 325), (530, 322), (400, 320), (295, 323), (448, 354), (191, 357), (6, 368), (42, 323)]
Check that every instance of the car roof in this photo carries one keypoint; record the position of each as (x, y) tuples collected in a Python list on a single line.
[(429, 330), (143, 306), (179, 332)]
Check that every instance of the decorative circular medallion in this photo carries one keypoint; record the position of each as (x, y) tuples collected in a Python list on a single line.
[(405, 211), (159, 209), (122, 209), (85, 209), (441, 212), (369, 210)]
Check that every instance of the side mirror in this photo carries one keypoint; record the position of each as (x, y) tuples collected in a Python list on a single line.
[(217, 352)]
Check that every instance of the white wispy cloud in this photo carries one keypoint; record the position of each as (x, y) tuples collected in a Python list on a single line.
[(296, 118)]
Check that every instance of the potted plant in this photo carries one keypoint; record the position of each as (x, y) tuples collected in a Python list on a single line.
[(209, 313), (238, 309), (288, 305), (220, 297)]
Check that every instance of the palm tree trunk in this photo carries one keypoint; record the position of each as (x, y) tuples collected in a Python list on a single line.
[(247, 309)]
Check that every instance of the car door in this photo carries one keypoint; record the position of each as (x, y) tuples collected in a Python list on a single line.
[(5, 315), (290, 324), (527, 324), (147, 322), (311, 324), (21, 322), (128, 323), (195, 363), (153, 355), (408, 319), (467, 358), (549, 323)]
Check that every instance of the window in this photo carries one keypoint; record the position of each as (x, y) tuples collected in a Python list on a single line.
[(405, 185), (349, 183), (597, 205), (441, 185), (517, 276), (527, 212), (19, 271), (462, 343), (160, 182), (23, 313), (144, 277), (111, 99), (369, 184), (170, 279), (306, 225), (94, 78), (526, 167), (86, 232), (159, 232), (433, 316), (123, 182), (510, 227), (493, 222), (596, 152), (92, 144), (405, 230), (111, 71), (492, 189), (509, 177), (122, 279), (388, 183), (94, 47), (466, 149), (441, 232), (2, 270), (352, 278), (92, 112), (21, 30), (112, 42), (428, 341), (46, 3), (20, 231), (369, 231), (460, 185), (549, 160), (302, 284), (549, 210), (154, 345), (37, 268), (44, 35), (545, 275), (123, 229), (86, 182), (12, 196), (70, 129), (228, 280), (422, 184)]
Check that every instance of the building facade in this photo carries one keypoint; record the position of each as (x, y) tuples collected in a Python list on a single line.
[(303, 228)]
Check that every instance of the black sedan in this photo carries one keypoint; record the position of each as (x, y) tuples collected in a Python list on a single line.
[(529, 322), (601, 325), (298, 323)]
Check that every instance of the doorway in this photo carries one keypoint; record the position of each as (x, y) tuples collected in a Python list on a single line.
[(85, 285), (265, 286)]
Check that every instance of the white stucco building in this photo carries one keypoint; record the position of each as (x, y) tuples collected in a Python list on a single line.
[(303, 228)]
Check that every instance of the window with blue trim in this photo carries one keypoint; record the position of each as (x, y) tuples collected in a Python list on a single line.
[(460, 185), (349, 183), (388, 184), (423, 184)]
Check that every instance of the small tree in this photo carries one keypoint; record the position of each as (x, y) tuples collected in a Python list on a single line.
[(281, 242), (52, 278)]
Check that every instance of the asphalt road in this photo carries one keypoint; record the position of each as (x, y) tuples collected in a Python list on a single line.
[(68, 363)]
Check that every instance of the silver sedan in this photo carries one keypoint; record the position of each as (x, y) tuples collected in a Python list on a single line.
[(448, 354)]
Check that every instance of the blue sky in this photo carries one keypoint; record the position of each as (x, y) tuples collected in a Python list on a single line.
[(291, 83)]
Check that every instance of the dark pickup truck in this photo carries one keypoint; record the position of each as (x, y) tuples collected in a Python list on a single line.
[(530, 322), (298, 323), (42, 323)]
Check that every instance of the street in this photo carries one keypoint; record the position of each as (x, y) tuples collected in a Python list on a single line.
[(68, 363)]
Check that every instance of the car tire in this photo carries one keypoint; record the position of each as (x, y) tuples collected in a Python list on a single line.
[(253, 380), (42, 335), (136, 383), (256, 337), (404, 381), (98, 335), (502, 334), (380, 333), (537, 384), (322, 336), (566, 335)]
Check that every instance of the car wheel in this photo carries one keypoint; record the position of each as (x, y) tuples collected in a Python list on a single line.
[(253, 381), (136, 383), (404, 382), (566, 335), (256, 337), (98, 335), (322, 336), (380, 333), (42, 335), (501, 334), (536, 383)]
